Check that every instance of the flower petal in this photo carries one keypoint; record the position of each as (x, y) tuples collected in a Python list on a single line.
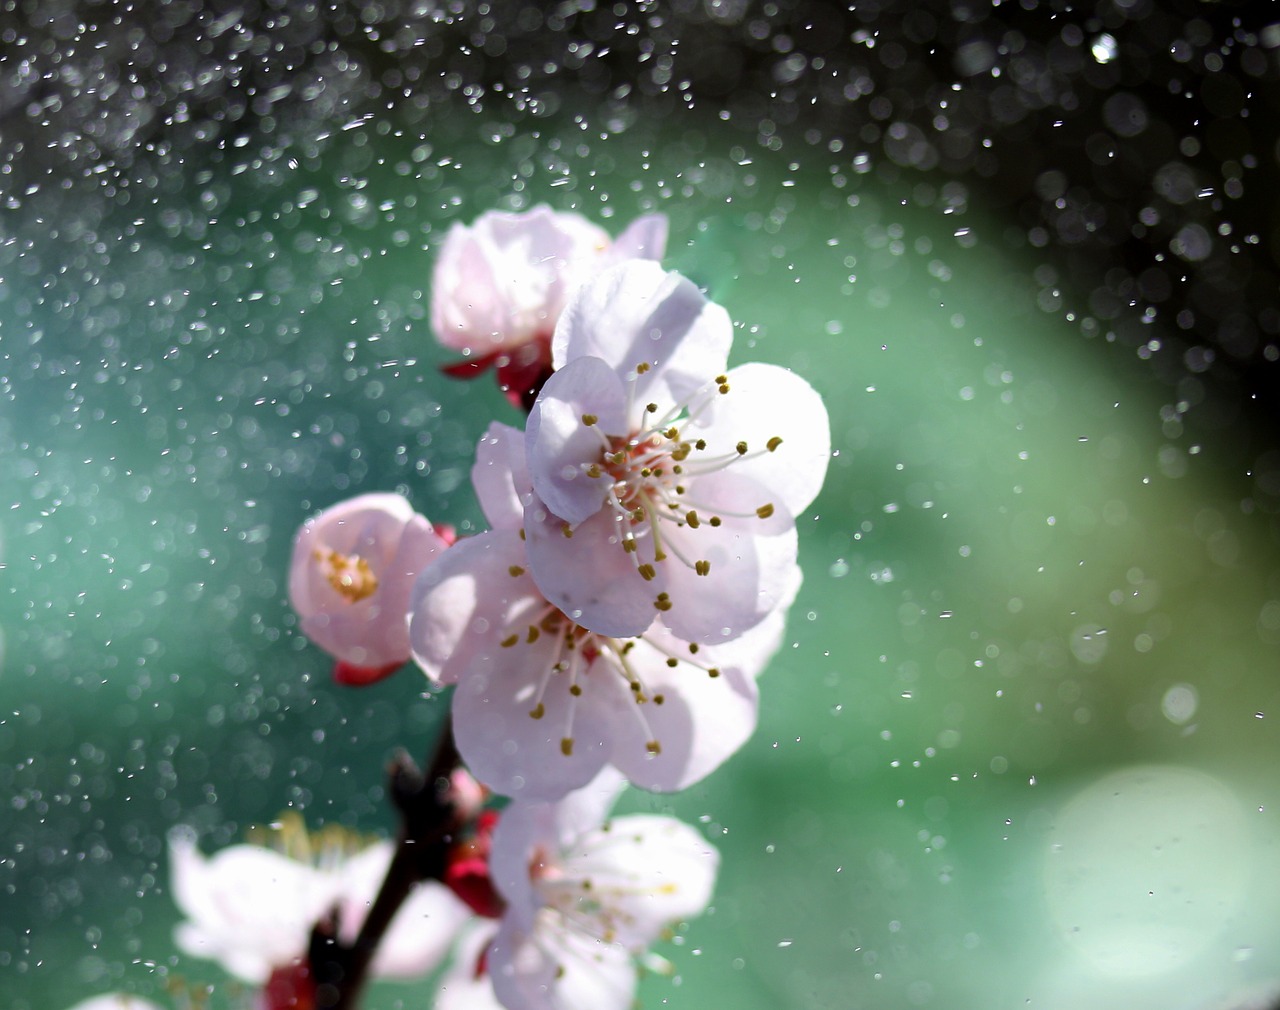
[(461, 604), (750, 561), (504, 279), (520, 729), (644, 238), (559, 970), (249, 908), (501, 476), (116, 1001), (527, 828), (465, 984), (647, 870), (765, 402), (560, 442), (696, 720), (420, 935), (637, 314), (588, 575)]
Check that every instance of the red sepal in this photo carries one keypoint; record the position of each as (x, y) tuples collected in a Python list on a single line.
[(466, 872), (289, 988), (362, 676)]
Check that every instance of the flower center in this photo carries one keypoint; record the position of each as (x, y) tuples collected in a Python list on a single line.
[(650, 474), (324, 848), (349, 574)]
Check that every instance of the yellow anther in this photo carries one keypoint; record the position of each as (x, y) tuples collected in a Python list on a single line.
[(567, 530), (702, 567), (691, 517), (722, 379), (700, 444), (714, 520), (713, 671), (630, 544), (773, 443), (673, 662), (672, 433), (515, 571), (575, 690), (724, 387), (693, 648), (765, 511), (635, 686), (589, 419), (652, 408), (642, 368), (658, 699), (659, 555), (509, 641), (566, 746), (538, 711), (627, 647), (742, 448), (647, 572), (663, 602), (653, 747), (532, 635), (349, 575), (594, 471)]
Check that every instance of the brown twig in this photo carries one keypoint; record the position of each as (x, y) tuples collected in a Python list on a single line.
[(428, 823)]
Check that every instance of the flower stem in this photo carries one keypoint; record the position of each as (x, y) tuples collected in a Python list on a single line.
[(428, 822)]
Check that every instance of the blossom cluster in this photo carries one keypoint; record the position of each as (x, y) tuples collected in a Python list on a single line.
[(609, 627)]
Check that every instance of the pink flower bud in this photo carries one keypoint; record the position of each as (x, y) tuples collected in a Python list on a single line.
[(349, 581)]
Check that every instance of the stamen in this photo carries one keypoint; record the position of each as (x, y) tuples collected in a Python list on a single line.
[(538, 711), (589, 419), (653, 747), (773, 443), (349, 575), (663, 602), (742, 448), (765, 511), (566, 746), (509, 641), (702, 567), (515, 571)]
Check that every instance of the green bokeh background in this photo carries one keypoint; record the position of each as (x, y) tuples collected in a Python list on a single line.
[(1014, 560)]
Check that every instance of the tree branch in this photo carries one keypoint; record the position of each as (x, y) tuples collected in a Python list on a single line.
[(428, 824)]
